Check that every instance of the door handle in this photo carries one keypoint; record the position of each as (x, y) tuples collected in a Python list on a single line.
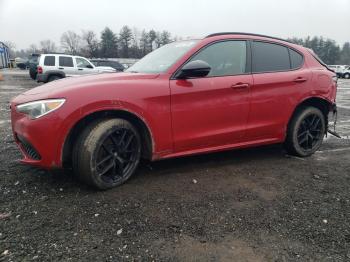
[(300, 80), (80, 69), (60, 68), (240, 86)]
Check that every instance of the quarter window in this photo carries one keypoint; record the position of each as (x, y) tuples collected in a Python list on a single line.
[(269, 57), (296, 59), (66, 61), (49, 61), (224, 58)]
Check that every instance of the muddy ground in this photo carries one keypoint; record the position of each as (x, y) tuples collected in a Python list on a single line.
[(247, 205)]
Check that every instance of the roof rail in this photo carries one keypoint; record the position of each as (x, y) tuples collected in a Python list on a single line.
[(241, 33)]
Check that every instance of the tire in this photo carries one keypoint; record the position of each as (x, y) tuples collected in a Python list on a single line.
[(346, 76), (305, 132), (32, 75), (107, 153), (53, 78)]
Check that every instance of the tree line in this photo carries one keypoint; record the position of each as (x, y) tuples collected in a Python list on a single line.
[(326, 49), (128, 43), (133, 43)]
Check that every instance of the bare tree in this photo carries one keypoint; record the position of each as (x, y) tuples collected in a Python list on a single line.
[(11, 46), (47, 46), (90, 40), (71, 42), (33, 49)]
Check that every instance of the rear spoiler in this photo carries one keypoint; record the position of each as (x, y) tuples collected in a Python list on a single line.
[(319, 59)]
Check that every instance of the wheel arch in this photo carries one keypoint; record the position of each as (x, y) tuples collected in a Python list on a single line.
[(78, 127), (319, 102), (55, 73)]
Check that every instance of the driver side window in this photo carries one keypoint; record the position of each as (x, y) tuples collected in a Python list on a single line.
[(82, 63), (224, 58)]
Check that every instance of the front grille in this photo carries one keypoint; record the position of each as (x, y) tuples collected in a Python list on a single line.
[(28, 149)]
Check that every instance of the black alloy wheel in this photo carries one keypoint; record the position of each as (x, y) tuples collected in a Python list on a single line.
[(117, 155), (310, 132), (305, 131), (107, 153)]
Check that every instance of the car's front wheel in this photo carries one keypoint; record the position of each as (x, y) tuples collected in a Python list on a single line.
[(305, 132), (346, 76), (107, 153)]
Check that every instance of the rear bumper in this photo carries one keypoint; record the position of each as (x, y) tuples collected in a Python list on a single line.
[(332, 120), (42, 78)]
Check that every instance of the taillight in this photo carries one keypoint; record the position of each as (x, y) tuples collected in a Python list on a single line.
[(39, 70)]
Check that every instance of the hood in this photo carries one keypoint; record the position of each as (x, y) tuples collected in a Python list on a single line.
[(49, 90), (105, 69), (90, 80)]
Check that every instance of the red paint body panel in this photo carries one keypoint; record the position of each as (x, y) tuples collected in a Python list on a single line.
[(183, 116), (209, 112)]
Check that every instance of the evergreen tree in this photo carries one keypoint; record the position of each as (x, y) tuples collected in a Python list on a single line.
[(344, 56), (144, 43), (165, 37), (152, 36), (125, 37), (109, 44)]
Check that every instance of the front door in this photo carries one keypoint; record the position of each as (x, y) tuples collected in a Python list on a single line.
[(213, 110), (84, 67)]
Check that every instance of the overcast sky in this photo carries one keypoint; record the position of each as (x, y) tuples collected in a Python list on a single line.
[(28, 21)]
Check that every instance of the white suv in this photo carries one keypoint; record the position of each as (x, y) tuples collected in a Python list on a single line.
[(55, 66), (346, 72), (338, 69)]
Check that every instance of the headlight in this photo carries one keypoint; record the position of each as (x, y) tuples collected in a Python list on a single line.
[(40, 108)]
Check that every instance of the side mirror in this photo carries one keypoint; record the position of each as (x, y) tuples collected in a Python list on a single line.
[(193, 69), (89, 66)]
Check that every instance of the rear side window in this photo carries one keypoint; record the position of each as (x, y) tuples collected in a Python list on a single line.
[(66, 61), (49, 61), (296, 59), (224, 58), (269, 57)]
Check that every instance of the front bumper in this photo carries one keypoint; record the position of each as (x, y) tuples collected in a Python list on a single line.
[(37, 139)]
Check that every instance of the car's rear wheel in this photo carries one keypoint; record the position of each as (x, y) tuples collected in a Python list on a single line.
[(305, 132), (107, 153), (53, 78)]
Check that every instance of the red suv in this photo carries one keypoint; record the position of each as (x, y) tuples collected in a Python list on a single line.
[(228, 90)]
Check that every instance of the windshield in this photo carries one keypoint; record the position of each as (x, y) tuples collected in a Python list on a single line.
[(162, 58)]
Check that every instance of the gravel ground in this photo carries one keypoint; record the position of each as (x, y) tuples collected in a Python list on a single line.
[(247, 205)]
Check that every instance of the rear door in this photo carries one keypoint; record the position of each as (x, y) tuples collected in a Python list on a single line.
[(65, 64), (213, 110), (279, 78)]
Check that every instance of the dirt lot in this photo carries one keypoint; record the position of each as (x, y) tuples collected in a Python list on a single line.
[(247, 205)]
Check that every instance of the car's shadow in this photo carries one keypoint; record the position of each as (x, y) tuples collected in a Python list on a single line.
[(166, 168)]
